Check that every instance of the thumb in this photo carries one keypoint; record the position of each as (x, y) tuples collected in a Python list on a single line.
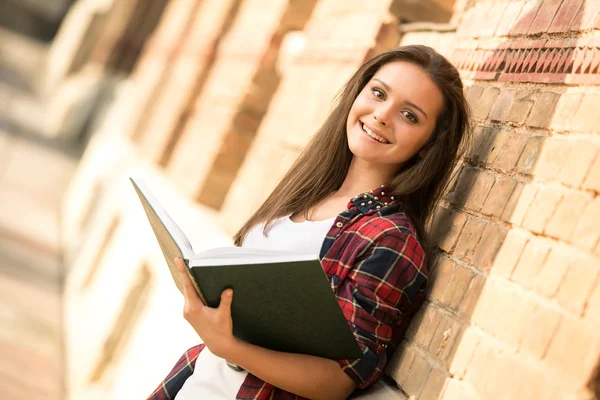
[(226, 298)]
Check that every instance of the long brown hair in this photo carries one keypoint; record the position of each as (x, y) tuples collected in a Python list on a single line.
[(324, 162)]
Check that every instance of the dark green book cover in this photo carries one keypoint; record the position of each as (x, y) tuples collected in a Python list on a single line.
[(285, 306)]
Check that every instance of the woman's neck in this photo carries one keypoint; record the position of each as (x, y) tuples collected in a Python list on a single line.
[(362, 177)]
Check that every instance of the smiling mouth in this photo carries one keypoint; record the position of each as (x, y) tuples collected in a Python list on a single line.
[(370, 133)]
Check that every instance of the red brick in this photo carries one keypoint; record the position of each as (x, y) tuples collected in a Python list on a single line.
[(577, 165), (464, 353), (530, 154), (543, 109), (588, 229), (499, 195), (555, 152), (531, 261), (440, 278), (509, 18), (479, 190), (423, 326), (445, 340), (541, 327), (469, 301), (469, 239), (542, 208), (574, 350), (587, 117), (587, 17), (457, 287), (511, 151), (485, 103), (418, 374), (434, 384), (446, 227), (565, 109), (526, 17), (545, 15), (563, 222), (565, 16), (592, 180), (579, 282), (519, 202), (554, 270)]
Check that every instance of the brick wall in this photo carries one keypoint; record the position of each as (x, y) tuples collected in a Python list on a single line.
[(513, 310)]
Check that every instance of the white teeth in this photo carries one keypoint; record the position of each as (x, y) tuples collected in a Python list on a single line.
[(374, 136)]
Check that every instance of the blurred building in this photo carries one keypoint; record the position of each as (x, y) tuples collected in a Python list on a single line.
[(211, 101)]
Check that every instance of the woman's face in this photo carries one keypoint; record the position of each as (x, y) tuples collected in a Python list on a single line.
[(394, 115)]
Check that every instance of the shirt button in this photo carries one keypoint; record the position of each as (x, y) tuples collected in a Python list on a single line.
[(339, 224)]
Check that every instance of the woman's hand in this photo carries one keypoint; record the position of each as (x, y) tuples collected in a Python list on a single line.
[(213, 325)]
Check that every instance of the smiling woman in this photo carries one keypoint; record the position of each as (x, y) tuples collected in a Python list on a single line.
[(371, 176)]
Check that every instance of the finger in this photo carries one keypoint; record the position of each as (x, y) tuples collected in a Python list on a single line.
[(226, 299)]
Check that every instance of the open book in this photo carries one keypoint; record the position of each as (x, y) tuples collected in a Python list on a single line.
[(282, 301)]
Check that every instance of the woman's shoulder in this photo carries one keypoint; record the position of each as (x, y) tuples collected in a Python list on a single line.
[(387, 221)]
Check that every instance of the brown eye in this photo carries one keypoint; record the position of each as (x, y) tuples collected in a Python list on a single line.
[(378, 93), (411, 117)]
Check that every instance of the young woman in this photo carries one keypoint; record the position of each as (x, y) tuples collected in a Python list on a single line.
[(359, 195)]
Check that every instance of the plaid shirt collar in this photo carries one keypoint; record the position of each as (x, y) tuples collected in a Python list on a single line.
[(393, 244)]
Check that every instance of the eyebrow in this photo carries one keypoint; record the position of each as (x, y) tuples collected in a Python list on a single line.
[(410, 103)]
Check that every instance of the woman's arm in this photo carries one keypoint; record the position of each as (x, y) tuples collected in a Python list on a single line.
[(303, 375)]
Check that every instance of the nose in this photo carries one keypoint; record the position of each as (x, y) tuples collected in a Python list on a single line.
[(382, 115)]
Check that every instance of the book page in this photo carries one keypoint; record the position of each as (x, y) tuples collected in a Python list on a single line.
[(246, 255)]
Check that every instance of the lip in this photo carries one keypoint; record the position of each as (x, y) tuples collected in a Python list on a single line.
[(375, 131)]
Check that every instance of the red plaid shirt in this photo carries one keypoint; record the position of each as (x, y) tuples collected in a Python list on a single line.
[(377, 270)]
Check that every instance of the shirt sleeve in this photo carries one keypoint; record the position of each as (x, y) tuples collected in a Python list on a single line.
[(182, 370), (385, 287)]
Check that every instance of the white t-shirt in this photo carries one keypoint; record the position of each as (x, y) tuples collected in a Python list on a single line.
[(212, 378)]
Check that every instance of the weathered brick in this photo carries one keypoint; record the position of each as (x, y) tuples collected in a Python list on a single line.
[(509, 253), (456, 390), (503, 104), (565, 16), (555, 152), (489, 246), (510, 151), (543, 109), (446, 227), (542, 208), (503, 310), (588, 229), (479, 191), (509, 18), (577, 165), (485, 367), (460, 192), (554, 269), (464, 353), (519, 203), (434, 384), (495, 140), (526, 17), (540, 328), (471, 297), (473, 93), (483, 139), (418, 374), (565, 219), (574, 350), (521, 108), (529, 156), (499, 195), (443, 274), (531, 261), (592, 180), (565, 109), (457, 287), (423, 326), (485, 102), (445, 340), (469, 239), (399, 365), (579, 282), (545, 16), (587, 117), (592, 309)]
